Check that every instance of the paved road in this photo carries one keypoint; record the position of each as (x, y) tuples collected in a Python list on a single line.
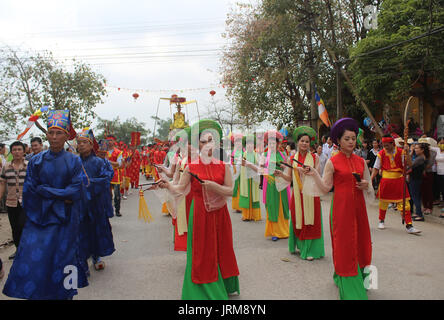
[(145, 266)]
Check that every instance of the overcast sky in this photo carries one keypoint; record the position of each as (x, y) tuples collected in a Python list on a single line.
[(154, 45)]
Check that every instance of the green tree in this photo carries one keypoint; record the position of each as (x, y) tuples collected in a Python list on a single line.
[(163, 128), (31, 81), (390, 61), (122, 130), (264, 64), (281, 49)]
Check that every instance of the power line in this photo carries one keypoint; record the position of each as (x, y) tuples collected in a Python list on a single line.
[(136, 27), (136, 54), (127, 47)]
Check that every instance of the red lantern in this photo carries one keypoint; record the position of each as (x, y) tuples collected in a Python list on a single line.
[(212, 92), (135, 96)]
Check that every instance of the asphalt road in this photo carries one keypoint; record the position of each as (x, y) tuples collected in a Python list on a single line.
[(145, 266)]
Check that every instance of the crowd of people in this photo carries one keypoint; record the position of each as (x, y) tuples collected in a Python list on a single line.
[(59, 201)]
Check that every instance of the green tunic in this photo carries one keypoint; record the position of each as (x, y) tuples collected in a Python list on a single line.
[(245, 200), (237, 157), (272, 195)]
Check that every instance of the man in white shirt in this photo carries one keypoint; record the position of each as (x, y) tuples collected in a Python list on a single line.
[(2, 155), (327, 148), (2, 164)]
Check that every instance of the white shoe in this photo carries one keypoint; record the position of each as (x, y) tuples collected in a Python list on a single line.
[(381, 226), (413, 230), (124, 198)]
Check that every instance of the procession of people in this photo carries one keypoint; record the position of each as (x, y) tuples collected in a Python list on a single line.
[(59, 202)]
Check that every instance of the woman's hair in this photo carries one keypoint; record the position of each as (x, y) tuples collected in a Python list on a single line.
[(17, 143), (425, 148), (301, 135), (341, 133)]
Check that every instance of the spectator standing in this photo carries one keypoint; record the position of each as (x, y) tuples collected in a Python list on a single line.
[(327, 148), (363, 151), (416, 177), (322, 159), (371, 158), (2, 155), (440, 169), (36, 147), (2, 163), (427, 181), (12, 178)]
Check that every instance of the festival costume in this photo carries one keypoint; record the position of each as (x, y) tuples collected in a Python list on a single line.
[(237, 154), (276, 203), (249, 194), (392, 184), (134, 168), (144, 162), (181, 221), (306, 232), (117, 179), (349, 227), (124, 171), (211, 270), (350, 231), (52, 195), (97, 202)]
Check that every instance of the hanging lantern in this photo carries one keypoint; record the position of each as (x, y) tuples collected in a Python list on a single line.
[(212, 92), (135, 96)]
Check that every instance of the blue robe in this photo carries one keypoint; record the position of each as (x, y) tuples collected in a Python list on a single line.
[(96, 235), (50, 238)]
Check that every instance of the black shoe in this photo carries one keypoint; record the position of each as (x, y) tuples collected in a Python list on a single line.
[(12, 256), (118, 214)]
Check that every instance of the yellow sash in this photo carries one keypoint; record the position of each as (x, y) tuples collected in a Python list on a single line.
[(308, 200), (391, 174)]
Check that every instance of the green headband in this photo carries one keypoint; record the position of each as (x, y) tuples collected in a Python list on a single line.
[(305, 130), (207, 124)]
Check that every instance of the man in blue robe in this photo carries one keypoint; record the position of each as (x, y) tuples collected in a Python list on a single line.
[(47, 264), (97, 203)]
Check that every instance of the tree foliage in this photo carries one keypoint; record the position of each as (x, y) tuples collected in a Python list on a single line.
[(388, 75), (122, 130), (31, 81), (274, 51), (163, 128)]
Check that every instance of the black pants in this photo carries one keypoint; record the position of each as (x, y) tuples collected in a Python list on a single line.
[(440, 186), (116, 188), (17, 219)]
